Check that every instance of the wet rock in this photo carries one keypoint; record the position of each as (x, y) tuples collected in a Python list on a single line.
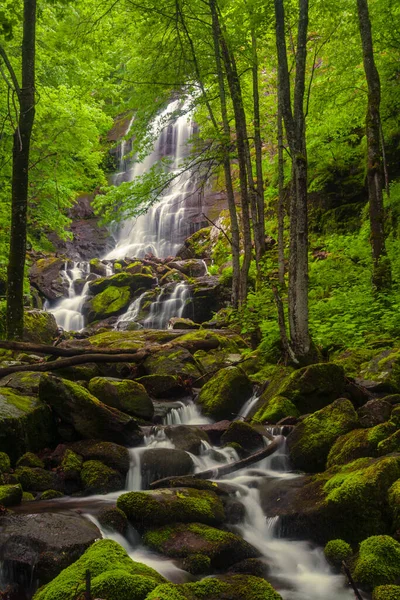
[(244, 434), (26, 382), (89, 417), (49, 542), (163, 386), (377, 562), (111, 302), (113, 575), (216, 430), (171, 505), (40, 327), (112, 455), (113, 519), (34, 479), (134, 281), (181, 540), (190, 267), (26, 423), (311, 440), (45, 276), (197, 564), (374, 412), (172, 276), (208, 296), (188, 438), (98, 267), (10, 495), (225, 393), (125, 395), (197, 245), (383, 372), (157, 463), (234, 511), (178, 362), (100, 479), (251, 566), (179, 323)]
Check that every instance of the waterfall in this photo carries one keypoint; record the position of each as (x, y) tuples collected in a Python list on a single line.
[(186, 414), (166, 307), (162, 230), (248, 406), (68, 311)]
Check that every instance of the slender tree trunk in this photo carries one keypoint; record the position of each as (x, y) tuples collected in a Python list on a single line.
[(20, 178), (235, 234), (381, 276), (281, 204), (295, 132)]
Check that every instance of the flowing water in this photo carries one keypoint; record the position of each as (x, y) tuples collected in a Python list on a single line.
[(168, 305), (68, 311)]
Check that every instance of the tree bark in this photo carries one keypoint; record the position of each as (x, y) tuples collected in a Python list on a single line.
[(20, 178), (281, 204), (381, 275)]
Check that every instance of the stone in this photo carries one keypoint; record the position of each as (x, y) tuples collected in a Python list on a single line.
[(390, 444), (45, 276), (177, 362), (374, 412), (216, 430), (357, 443), (377, 562), (89, 417), (225, 393), (179, 323), (384, 371), (40, 327), (35, 479), (26, 423), (111, 302), (187, 437), (30, 460), (177, 505), (162, 386), (113, 519), (98, 267), (311, 440), (128, 396), (208, 296), (190, 267), (25, 382), (244, 434), (198, 245), (111, 454), (135, 281), (100, 479), (48, 541), (157, 463), (10, 495)]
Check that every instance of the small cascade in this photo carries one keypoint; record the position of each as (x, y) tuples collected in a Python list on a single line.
[(248, 406), (186, 414), (68, 311), (211, 457), (132, 314), (167, 306)]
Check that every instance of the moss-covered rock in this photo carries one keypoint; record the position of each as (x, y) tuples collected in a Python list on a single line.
[(353, 359), (89, 417), (243, 434), (384, 370), (26, 423), (178, 362), (386, 592), (163, 386), (337, 551), (374, 412), (134, 281), (98, 267), (358, 444), (181, 540), (113, 519), (163, 506), (45, 275), (10, 495), (71, 465), (227, 587), (112, 455), (36, 479), (30, 460), (225, 393), (51, 494), (275, 409), (40, 327), (377, 562), (125, 395), (114, 576), (198, 245), (181, 323), (28, 497), (197, 564), (390, 444), (99, 479), (157, 463), (5, 464), (187, 437), (111, 302), (311, 440), (394, 504)]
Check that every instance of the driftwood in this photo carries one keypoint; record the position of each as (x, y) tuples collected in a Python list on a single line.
[(80, 356), (229, 467), (351, 581)]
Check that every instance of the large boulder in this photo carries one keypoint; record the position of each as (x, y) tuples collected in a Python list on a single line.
[(208, 295), (113, 576), (157, 463), (374, 412), (245, 435), (36, 479), (26, 423), (178, 505), (310, 441), (225, 393), (90, 418), (111, 302), (182, 540), (163, 386), (135, 281), (10, 495), (358, 443), (187, 437), (111, 454), (45, 276), (48, 542), (177, 362), (40, 327), (384, 371), (125, 395), (191, 267), (377, 562), (100, 479)]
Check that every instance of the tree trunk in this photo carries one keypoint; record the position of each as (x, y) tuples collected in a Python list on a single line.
[(20, 178), (381, 275), (281, 204)]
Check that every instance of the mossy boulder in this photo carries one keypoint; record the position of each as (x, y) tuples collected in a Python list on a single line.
[(111, 302), (113, 519), (51, 494), (26, 423), (5, 464), (198, 245), (390, 444), (311, 440), (377, 562), (25, 382), (384, 370), (225, 393), (181, 323), (163, 386), (36, 479), (45, 275), (40, 327), (30, 460), (244, 434), (181, 540), (358, 443), (394, 504), (188, 438), (226, 587), (157, 463), (386, 592), (128, 396), (134, 281), (337, 551), (114, 576), (163, 506), (99, 479), (89, 417), (10, 495), (71, 465), (374, 412), (178, 362), (98, 267), (197, 564), (275, 409), (111, 454)]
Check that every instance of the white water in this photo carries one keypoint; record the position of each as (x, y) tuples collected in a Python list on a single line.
[(163, 228), (167, 306), (248, 406), (131, 314), (186, 414), (68, 311)]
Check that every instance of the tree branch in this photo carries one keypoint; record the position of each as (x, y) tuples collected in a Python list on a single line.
[(10, 69)]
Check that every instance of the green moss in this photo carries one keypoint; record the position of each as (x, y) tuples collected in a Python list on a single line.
[(129, 396), (97, 478), (354, 444), (166, 591), (108, 303), (51, 494), (276, 409), (394, 504), (10, 495), (39, 327), (134, 281), (225, 393), (27, 497), (336, 551), (197, 564), (5, 464), (71, 464), (113, 519), (30, 460), (380, 432), (34, 479), (353, 359), (391, 444), (378, 562), (103, 558), (386, 592), (384, 369)]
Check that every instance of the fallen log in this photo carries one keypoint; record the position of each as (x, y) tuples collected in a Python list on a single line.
[(228, 468)]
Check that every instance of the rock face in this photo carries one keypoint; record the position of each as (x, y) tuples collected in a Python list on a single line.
[(90, 418), (208, 297), (26, 423), (164, 506), (45, 276), (125, 395), (310, 441), (50, 542), (40, 327), (225, 393), (114, 576)]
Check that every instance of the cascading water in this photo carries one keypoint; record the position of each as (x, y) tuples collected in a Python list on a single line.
[(186, 414), (166, 307), (68, 311)]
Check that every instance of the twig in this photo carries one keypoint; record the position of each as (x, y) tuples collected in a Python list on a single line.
[(217, 227), (351, 581)]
